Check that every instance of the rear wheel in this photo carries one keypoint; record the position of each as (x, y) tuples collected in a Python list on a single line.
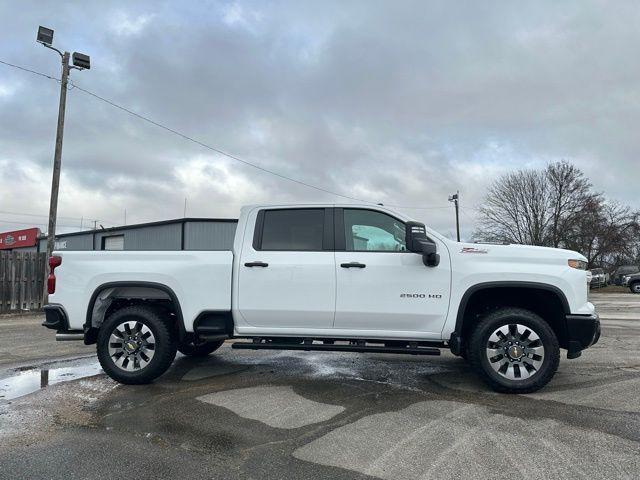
[(199, 348), (514, 350), (135, 346), (635, 287)]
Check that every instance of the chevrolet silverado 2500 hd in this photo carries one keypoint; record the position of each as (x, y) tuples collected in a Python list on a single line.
[(329, 277)]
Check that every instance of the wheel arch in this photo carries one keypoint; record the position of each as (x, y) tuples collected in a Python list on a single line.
[(125, 290), (544, 299)]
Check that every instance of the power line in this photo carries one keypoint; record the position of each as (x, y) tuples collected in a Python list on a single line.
[(477, 210), (222, 152), (30, 71), (22, 214), (409, 207), (10, 222), (214, 149), (209, 147)]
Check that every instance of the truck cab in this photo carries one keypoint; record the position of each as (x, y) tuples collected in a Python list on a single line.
[(343, 277), (339, 269)]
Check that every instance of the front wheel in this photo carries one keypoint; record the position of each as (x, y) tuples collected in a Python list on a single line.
[(635, 287), (514, 350), (135, 346)]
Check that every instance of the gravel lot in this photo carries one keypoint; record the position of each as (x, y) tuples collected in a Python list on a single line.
[(243, 414)]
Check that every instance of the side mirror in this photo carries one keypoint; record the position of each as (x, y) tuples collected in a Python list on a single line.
[(418, 242), (430, 256)]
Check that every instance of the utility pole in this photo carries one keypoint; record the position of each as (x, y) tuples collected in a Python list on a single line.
[(80, 62), (57, 156), (454, 198)]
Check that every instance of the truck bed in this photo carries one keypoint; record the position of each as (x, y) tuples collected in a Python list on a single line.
[(200, 280)]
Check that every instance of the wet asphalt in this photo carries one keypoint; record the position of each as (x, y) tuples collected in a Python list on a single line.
[(263, 415)]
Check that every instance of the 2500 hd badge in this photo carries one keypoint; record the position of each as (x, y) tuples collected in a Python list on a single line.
[(420, 295)]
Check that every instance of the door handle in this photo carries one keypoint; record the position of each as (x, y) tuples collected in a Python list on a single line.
[(256, 264), (352, 265)]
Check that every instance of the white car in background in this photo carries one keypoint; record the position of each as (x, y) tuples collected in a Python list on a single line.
[(598, 278)]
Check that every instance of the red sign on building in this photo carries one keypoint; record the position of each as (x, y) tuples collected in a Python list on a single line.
[(19, 238)]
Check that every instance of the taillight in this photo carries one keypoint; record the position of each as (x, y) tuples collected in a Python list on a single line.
[(54, 262)]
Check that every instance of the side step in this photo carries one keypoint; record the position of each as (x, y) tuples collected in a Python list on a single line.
[(335, 347), (213, 326)]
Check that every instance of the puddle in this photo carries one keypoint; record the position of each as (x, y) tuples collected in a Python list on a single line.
[(29, 381)]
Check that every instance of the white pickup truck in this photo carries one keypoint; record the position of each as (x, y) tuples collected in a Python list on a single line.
[(356, 278)]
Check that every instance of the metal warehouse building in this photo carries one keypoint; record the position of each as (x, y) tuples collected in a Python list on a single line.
[(179, 234)]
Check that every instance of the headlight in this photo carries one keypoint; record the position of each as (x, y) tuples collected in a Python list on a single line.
[(579, 264)]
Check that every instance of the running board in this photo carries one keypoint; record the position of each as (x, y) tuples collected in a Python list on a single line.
[(325, 347)]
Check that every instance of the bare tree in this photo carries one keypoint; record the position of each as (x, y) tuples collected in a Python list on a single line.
[(557, 207), (515, 209), (569, 192), (606, 233)]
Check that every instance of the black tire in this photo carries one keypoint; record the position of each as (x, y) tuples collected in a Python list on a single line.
[(164, 350), (199, 349), (464, 353), (635, 287), (512, 318)]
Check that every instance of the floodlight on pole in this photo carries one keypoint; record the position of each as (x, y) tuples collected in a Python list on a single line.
[(45, 35), (80, 62)]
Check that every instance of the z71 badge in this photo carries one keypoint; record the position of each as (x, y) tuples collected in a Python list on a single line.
[(473, 250), (420, 295)]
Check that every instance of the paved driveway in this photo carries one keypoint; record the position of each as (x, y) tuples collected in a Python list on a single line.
[(243, 414)]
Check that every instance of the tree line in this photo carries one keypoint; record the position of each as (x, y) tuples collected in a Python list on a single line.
[(558, 207)]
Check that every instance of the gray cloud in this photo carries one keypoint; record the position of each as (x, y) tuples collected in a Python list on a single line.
[(399, 102)]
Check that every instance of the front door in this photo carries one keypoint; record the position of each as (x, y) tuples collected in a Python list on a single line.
[(380, 285), (287, 271)]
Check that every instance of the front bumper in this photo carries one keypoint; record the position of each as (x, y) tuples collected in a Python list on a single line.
[(583, 331)]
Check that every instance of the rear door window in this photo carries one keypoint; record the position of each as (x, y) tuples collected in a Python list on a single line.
[(300, 229)]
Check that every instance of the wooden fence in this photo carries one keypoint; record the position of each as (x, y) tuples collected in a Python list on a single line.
[(22, 281)]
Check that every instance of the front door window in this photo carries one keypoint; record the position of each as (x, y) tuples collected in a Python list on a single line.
[(369, 231)]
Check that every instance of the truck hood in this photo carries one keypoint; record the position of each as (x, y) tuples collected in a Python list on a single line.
[(519, 251)]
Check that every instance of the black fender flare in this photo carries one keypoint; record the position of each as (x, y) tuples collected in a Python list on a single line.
[(89, 337), (456, 340)]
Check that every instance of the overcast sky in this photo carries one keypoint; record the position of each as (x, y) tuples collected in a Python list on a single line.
[(397, 102)]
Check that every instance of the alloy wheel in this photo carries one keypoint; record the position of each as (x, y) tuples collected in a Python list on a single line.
[(131, 345), (515, 351)]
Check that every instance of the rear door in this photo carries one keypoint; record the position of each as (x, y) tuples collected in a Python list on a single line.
[(287, 270), (380, 285)]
